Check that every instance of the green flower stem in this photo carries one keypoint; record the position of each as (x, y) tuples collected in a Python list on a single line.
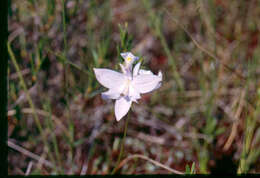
[(122, 146)]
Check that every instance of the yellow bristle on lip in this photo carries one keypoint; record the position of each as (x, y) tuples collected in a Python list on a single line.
[(128, 59)]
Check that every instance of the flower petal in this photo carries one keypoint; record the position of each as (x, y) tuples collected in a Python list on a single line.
[(109, 78), (111, 94), (136, 68), (126, 70), (122, 106), (160, 83), (123, 68), (124, 55), (145, 83), (160, 74), (133, 93), (142, 71), (128, 55)]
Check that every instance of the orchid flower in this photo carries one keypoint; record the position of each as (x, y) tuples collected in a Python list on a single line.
[(127, 86)]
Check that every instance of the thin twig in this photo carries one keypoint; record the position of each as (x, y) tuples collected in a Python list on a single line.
[(16, 75), (150, 160), (29, 154), (42, 113), (15, 33), (203, 49), (22, 97), (29, 168), (235, 124)]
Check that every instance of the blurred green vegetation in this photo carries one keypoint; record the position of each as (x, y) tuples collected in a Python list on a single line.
[(204, 119)]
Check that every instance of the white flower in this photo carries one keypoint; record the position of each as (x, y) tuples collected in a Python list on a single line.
[(127, 86)]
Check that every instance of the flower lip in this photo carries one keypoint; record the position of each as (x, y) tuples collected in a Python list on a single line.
[(129, 57)]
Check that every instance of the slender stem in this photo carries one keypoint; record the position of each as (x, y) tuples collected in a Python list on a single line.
[(65, 74), (122, 145), (35, 116), (64, 25), (54, 139), (171, 61)]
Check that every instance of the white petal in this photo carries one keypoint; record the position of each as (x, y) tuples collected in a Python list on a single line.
[(134, 94), (126, 69), (122, 106), (160, 83), (124, 55), (160, 74), (158, 86), (123, 68), (145, 83), (136, 68), (109, 78), (111, 94), (142, 71)]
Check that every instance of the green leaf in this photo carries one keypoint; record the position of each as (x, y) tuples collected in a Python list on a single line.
[(193, 168), (220, 131), (187, 169)]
